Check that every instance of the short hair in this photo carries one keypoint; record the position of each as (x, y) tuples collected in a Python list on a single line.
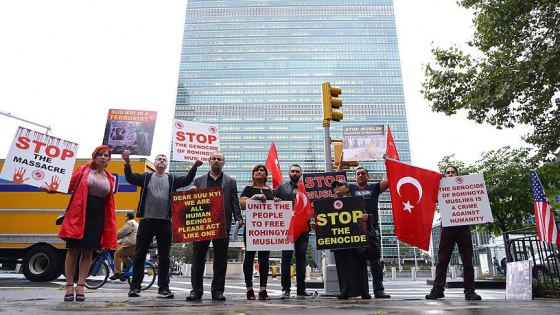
[(161, 154), (361, 168), (295, 165), (130, 215)]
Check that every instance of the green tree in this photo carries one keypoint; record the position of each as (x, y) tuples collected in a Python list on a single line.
[(512, 75)]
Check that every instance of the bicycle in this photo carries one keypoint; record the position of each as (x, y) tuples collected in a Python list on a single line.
[(103, 263)]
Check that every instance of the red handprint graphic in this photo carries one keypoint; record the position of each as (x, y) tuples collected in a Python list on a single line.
[(18, 175), (55, 182)]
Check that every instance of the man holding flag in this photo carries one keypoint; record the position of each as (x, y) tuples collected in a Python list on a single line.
[(299, 231)]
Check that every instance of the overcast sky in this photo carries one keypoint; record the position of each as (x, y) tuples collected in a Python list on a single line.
[(65, 63)]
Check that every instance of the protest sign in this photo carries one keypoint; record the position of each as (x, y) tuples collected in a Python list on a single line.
[(364, 143), (463, 200), (194, 140), (198, 215), (318, 185), (130, 130), (339, 223), (38, 159), (267, 225)]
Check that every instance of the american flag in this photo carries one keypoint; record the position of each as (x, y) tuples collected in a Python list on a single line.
[(544, 216)]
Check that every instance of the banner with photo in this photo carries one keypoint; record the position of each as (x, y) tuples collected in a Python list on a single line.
[(130, 130), (364, 143), (38, 159), (198, 215), (339, 223), (267, 225), (194, 140)]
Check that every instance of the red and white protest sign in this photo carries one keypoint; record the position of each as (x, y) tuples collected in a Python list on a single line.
[(463, 201), (37, 159), (267, 225), (194, 140)]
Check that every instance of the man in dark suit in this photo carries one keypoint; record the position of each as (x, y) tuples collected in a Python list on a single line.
[(215, 178)]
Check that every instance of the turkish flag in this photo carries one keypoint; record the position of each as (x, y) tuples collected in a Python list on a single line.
[(302, 212), (391, 147), (414, 194), (273, 166)]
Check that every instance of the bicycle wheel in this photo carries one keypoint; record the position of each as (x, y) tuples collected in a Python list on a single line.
[(150, 273), (97, 278)]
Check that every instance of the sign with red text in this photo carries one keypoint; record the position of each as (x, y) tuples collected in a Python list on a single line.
[(38, 159), (318, 185), (130, 130), (266, 225), (194, 140), (364, 143), (339, 223), (198, 215), (463, 200)]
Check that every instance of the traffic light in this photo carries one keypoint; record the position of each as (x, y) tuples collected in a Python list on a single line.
[(331, 103), (346, 164)]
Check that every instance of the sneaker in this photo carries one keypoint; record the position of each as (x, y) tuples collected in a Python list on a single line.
[(134, 293), (116, 276), (470, 295), (285, 295), (380, 294), (165, 293), (304, 294), (435, 294)]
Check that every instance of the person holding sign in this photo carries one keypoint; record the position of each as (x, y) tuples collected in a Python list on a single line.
[(371, 192), (154, 211), (215, 178), (351, 267), (90, 219), (287, 191), (258, 190), (451, 235)]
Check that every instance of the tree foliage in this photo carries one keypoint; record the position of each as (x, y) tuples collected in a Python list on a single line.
[(514, 78), (508, 184)]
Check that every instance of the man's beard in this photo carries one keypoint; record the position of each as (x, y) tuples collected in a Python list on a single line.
[(216, 167)]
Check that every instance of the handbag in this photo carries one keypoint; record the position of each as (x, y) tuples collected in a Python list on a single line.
[(61, 216), (373, 249)]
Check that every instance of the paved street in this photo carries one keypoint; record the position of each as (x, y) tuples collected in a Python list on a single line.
[(17, 295)]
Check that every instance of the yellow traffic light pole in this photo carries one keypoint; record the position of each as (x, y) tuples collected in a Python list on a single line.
[(331, 111)]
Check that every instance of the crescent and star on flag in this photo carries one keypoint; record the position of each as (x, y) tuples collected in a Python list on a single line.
[(413, 181)]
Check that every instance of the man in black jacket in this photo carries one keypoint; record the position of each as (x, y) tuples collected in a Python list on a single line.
[(215, 178), (287, 192), (154, 211)]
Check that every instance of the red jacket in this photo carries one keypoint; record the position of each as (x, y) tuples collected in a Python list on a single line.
[(75, 219)]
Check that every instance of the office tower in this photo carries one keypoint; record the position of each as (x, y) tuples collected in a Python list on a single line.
[(255, 68)]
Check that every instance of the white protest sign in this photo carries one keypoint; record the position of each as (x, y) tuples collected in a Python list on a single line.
[(463, 201), (194, 140), (267, 225), (37, 159)]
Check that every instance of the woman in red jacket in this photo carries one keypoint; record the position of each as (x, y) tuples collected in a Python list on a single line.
[(90, 220)]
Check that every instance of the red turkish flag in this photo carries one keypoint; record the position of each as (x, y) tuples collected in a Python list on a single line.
[(414, 194), (273, 166), (391, 147), (303, 211)]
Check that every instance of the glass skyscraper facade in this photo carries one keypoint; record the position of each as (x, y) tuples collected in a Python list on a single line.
[(255, 68)]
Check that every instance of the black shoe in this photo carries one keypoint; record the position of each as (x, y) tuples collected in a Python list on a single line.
[(380, 294), (116, 276), (470, 295), (194, 296), (366, 296), (341, 297), (134, 293), (435, 294), (304, 294), (218, 297), (165, 293), (285, 295)]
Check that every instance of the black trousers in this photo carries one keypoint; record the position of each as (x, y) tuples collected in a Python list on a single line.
[(220, 265), (300, 249), (147, 229)]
